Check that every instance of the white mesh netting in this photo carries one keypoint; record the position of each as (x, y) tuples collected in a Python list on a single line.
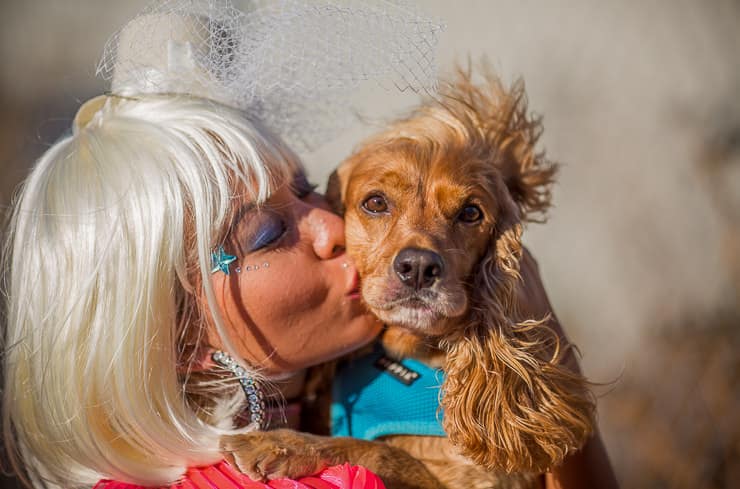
[(292, 64)]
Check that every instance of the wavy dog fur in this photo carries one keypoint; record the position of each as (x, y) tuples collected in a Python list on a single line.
[(509, 403)]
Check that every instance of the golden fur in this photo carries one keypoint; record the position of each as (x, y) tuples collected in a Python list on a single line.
[(511, 408), (508, 403)]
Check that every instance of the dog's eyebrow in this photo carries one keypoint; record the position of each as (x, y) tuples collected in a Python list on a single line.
[(389, 178)]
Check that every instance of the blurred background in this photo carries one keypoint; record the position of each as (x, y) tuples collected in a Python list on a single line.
[(641, 255)]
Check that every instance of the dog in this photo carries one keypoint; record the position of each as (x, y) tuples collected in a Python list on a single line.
[(434, 208)]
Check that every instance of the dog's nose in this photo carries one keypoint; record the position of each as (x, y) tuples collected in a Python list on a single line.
[(418, 268)]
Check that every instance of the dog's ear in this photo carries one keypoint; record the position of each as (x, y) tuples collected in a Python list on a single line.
[(334, 193), (336, 187), (508, 403), (527, 172), (500, 117)]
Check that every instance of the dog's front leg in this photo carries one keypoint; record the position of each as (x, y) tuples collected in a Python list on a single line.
[(267, 455)]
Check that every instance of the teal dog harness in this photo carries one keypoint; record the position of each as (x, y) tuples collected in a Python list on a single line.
[(375, 396)]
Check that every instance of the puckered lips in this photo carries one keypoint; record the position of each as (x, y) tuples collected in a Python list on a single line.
[(354, 286)]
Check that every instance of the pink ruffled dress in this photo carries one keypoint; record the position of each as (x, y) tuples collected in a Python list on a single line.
[(224, 476)]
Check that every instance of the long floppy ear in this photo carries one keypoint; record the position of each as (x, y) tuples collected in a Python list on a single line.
[(508, 404), (336, 187)]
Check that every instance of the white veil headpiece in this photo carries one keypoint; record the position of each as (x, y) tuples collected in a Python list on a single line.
[(292, 64)]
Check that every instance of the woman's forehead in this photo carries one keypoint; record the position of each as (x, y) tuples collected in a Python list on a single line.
[(243, 198)]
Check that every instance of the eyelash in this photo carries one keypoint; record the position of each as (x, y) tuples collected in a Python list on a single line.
[(302, 188)]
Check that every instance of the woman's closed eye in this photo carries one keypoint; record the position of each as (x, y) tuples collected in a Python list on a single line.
[(269, 229), (264, 227)]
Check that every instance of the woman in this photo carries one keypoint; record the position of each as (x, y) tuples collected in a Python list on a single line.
[(112, 302), (164, 258)]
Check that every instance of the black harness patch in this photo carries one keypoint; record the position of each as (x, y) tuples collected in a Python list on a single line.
[(399, 372)]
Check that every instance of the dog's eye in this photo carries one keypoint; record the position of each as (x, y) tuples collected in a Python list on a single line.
[(375, 204), (470, 214)]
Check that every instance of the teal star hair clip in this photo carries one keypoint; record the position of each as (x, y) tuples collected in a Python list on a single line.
[(220, 260)]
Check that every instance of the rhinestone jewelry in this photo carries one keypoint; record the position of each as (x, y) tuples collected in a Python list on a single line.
[(251, 390), (249, 268)]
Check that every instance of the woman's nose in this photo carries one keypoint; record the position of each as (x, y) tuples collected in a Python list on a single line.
[(327, 233)]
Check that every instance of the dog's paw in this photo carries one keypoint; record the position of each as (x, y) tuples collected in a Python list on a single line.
[(268, 455)]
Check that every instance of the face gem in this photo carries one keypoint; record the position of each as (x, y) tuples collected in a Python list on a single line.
[(220, 260)]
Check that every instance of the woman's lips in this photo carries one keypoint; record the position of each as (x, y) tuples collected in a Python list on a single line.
[(354, 287)]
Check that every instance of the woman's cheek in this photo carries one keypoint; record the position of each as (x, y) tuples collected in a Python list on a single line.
[(286, 296)]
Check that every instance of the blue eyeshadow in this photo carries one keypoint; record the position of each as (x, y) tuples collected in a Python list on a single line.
[(269, 230)]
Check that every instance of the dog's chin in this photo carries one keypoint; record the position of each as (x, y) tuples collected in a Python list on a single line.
[(422, 314), (419, 319)]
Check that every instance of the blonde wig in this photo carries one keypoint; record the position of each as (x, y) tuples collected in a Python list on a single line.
[(103, 241)]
